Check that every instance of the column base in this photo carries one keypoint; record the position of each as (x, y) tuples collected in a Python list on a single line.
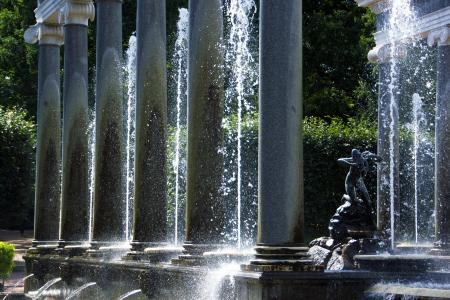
[(440, 248), (152, 252), (199, 254), (71, 249), (108, 250), (411, 248), (281, 259), (42, 247)]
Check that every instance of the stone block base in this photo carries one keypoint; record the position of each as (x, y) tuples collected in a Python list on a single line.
[(154, 254)]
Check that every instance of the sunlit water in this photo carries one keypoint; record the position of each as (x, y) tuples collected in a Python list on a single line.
[(410, 147), (79, 290), (91, 168), (129, 294), (242, 67), (45, 287), (400, 25), (215, 281), (180, 59), (21, 281), (131, 136)]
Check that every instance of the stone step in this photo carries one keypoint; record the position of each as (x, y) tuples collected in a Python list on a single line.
[(394, 290)]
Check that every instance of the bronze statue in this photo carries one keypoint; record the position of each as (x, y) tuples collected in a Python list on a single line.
[(356, 213), (354, 182)]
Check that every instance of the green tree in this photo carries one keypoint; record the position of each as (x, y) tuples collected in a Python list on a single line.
[(6, 260), (338, 80), (17, 142), (18, 64)]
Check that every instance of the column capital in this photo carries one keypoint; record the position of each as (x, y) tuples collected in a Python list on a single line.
[(377, 6), (384, 53), (78, 12), (440, 36), (44, 33)]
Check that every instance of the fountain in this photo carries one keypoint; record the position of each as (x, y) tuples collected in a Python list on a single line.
[(179, 162), (101, 245), (79, 290)]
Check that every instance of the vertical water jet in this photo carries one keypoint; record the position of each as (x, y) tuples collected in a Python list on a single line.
[(181, 53), (131, 131), (240, 61)]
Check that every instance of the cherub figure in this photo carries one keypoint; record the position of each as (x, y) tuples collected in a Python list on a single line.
[(354, 182)]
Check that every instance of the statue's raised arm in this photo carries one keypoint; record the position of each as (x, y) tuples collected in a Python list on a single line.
[(346, 162), (371, 157)]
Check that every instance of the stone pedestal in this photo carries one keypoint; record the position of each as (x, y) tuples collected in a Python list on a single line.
[(48, 148), (280, 218), (150, 206), (110, 152), (442, 154), (75, 179), (205, 212)]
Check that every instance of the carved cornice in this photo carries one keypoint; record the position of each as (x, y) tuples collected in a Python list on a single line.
[(440, 36), (47, 9), (78, 12), (422, 27), (384, 53), (377, 6), (48, 34), (434, 27)]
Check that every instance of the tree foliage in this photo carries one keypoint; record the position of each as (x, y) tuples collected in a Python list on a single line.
[(338, 81), (17, 142), (337, 37), (18, 64), (6, 260)]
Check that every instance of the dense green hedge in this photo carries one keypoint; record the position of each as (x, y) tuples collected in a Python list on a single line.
[(17, 142)]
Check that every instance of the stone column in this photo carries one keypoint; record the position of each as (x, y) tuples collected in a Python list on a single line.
[(150, 209), (110, 151), (280, 155), (48, 148), (75, 179), (442, 150), (205, 214)]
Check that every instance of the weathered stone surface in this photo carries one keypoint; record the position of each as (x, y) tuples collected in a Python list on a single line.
[(442, 193), (110, 132), (337, 261), (280, 152), (340, 256), (48, 148), (319, 255), (324, 242), (75, 175), (205, 212), (150, 211), (351, 220)]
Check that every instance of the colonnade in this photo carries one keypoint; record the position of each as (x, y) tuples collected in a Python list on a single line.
[(432, 27), (441, 38), (280, 219)]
